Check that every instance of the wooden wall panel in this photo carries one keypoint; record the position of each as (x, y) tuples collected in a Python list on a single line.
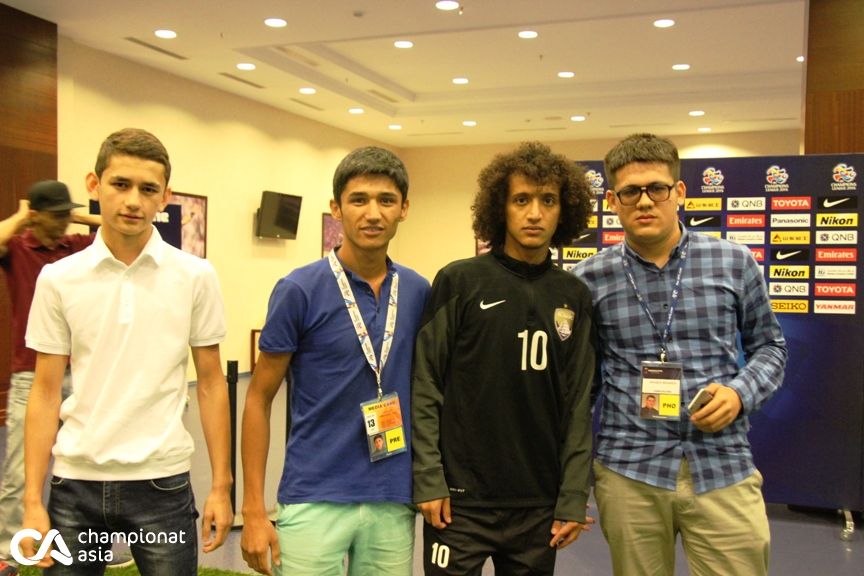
[(834, 104), (28, 131)]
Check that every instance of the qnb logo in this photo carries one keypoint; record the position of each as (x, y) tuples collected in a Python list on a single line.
[(60, 553)]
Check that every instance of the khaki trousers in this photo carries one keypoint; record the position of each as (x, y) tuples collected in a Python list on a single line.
[(724, 532)]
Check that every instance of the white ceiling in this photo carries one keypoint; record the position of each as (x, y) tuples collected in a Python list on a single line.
[(742, 55)]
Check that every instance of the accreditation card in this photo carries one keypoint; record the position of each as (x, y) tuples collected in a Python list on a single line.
[(661, 390), (385, 434)]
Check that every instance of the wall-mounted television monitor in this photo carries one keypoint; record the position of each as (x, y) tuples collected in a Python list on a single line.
[(278, 215)]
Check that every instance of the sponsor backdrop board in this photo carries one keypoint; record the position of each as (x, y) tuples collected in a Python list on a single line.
[(800, 217)]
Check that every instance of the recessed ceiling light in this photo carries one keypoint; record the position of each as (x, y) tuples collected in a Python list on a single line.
[(696, 113), (447, 5), (680, 67), (578, 118), (245, 66), (403, 44), (395, 126), (460, 81), (165, 34), (308, 90), (705, 129), (528, 34), (566, 74), (664, 23), (356, 111), (799, 59), (275, 22), (469, 123)]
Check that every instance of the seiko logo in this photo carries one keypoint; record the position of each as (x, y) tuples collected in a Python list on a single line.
[(790, 306), (792, 203)]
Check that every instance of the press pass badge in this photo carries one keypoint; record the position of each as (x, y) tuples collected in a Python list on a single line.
[(661, 390), (382, 419)]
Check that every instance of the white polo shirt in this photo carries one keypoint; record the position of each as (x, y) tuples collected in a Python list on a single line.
[(128, 330)]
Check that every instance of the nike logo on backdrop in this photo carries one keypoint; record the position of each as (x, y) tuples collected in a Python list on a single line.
[(831, 203), (697, 222), (785, 255), (484, 306)]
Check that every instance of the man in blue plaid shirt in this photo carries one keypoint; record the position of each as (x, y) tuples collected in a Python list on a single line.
[(669, 307)]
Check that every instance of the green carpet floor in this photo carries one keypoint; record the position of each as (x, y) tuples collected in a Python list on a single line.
[(133, 571)]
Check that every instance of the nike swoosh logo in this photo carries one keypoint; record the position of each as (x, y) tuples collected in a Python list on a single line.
[(697, 222), (484, 306), (785, 255), (831, 203), (583, 237)]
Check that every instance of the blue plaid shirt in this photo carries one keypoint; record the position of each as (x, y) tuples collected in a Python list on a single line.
[(723, 294)]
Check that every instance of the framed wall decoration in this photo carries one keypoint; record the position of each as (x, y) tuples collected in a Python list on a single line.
[(193, 222), (331, 233)]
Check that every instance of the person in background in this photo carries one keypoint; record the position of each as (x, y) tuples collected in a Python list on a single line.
[(126, 310), (501, 412), (670, 305), (345, 327), (30, 238)]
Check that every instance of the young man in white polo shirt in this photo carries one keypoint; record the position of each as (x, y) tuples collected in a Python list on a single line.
[(126, 311)]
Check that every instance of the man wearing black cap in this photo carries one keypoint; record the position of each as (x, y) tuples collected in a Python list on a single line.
[(30, 238)]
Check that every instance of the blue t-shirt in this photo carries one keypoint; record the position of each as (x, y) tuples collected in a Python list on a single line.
[(327, 457)]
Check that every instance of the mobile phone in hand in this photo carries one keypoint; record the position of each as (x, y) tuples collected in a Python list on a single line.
[(701, 399)]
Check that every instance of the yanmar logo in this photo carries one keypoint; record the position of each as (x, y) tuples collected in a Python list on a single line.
[(835, 290), (790, 306), (837, 220), (834, 307), (836, 254), (745, 221), (792, 203)]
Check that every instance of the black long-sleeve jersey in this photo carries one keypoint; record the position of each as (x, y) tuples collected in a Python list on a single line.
[(500, 396)]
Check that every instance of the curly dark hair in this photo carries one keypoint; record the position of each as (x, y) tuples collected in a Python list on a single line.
[(535, 162)]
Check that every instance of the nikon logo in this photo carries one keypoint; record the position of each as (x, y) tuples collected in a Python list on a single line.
[(789, 272), (578, 253), (837, 220)]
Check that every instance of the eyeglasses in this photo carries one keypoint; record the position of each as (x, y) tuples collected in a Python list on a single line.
[(657, 192)]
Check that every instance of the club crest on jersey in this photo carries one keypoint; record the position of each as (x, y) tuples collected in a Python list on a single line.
[(564, 322)]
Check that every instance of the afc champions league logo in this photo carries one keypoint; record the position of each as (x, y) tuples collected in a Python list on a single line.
[(844, 173), (595, 179), (776, 175), (712, 176), (60, 552), (564, 318)]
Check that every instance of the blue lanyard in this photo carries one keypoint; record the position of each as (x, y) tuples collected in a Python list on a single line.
[(676, 293)]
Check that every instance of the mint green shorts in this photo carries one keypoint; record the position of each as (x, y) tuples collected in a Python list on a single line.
[(322, 539)]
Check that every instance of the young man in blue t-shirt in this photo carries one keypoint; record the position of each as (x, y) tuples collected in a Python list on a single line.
[(344, 326)]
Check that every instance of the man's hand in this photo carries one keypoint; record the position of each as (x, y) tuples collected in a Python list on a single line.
[(565, 533), (36, 518), (721, 411), (259, 544), (217, 510), (436, 512)]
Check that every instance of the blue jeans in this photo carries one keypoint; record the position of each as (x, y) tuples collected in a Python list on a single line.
[(155, 517), (12, 485)]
